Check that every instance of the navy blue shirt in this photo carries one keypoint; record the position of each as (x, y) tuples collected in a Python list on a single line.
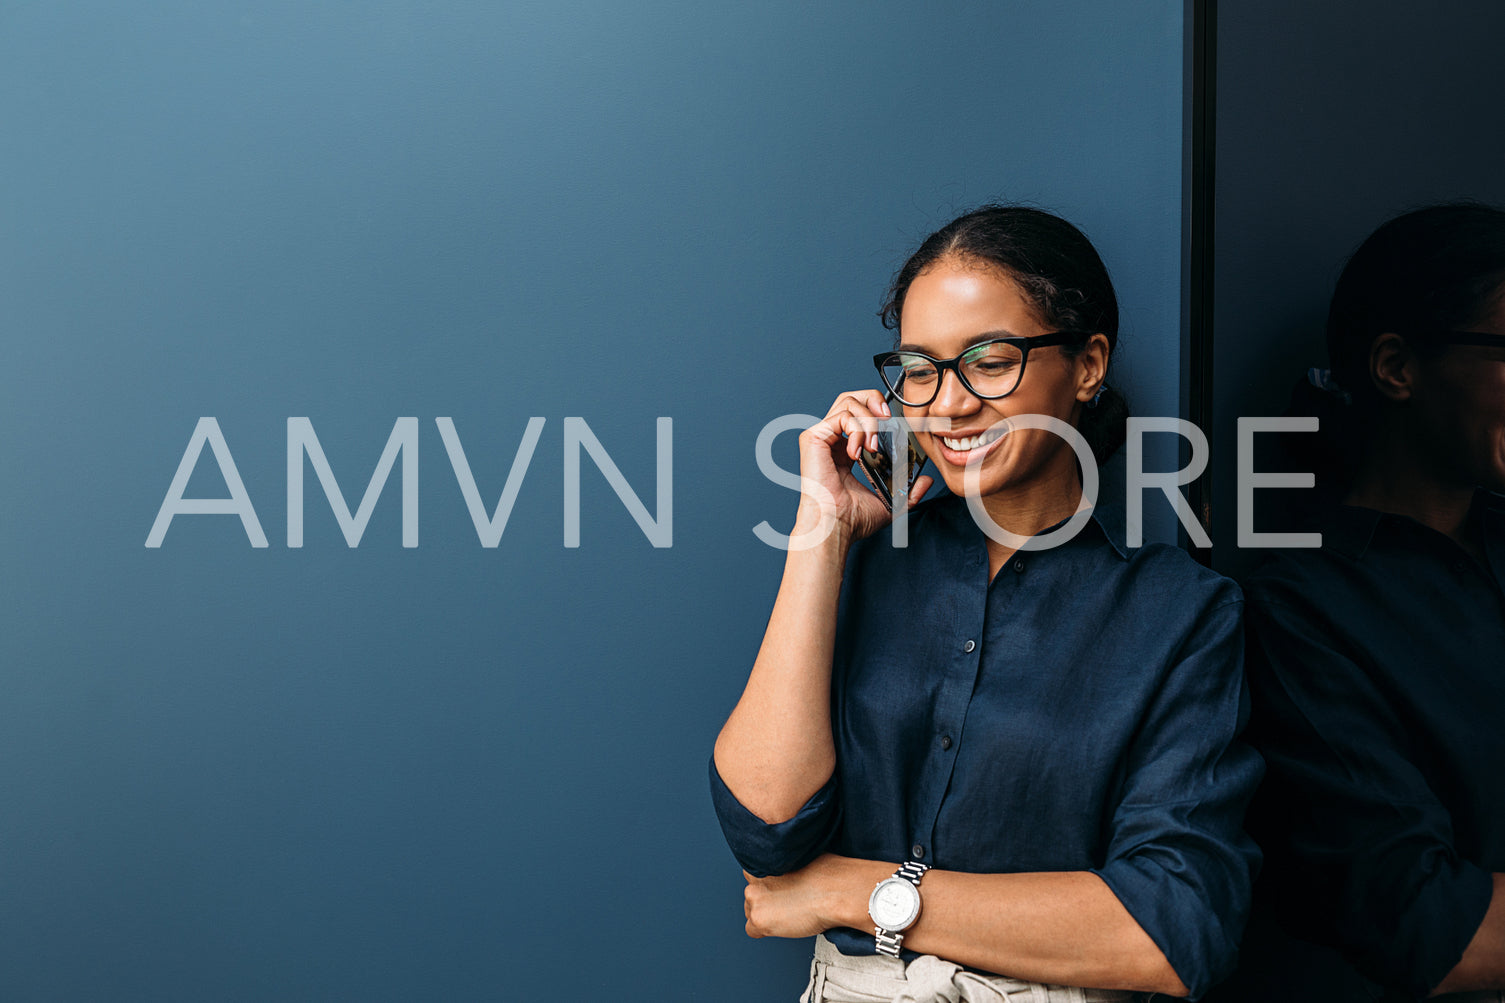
[(1081, 711), (1377, 664)]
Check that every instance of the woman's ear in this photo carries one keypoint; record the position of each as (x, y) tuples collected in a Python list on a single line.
[(1092, 367), (1392, 367)]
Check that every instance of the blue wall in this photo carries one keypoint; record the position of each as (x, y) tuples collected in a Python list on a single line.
[(452, 772)]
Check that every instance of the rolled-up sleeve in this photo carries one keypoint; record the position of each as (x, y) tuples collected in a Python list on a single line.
[(1363, 852), (764, 848), (1178, 857)]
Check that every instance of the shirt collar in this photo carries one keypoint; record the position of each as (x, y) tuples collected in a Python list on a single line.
[(1107, 516), (1348, 529), (1110, 519)]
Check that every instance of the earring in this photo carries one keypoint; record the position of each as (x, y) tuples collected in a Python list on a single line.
[(1097, 396)]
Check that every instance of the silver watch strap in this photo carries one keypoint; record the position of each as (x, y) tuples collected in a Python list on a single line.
[(887, 941), (912, 871)]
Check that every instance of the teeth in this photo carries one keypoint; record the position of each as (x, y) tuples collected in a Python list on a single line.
[(973, 441)]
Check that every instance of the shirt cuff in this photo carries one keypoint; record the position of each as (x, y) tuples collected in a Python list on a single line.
[(764, 848), (1191, 900), (1431, 934)]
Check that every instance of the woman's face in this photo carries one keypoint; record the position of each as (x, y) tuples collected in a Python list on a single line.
[(1459, 398), (956, 303)]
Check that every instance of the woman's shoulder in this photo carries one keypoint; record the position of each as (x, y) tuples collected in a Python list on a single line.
[(1294, 576), (1340, 564), (1166, 568)]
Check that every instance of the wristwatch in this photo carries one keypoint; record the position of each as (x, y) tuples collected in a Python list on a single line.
[(895, 905)]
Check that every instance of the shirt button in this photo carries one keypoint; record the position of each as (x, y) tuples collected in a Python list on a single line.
[(945, 741), (1019, 565), (969, 646), (917, 852)]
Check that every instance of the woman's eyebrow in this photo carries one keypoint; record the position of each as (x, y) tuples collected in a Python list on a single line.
[(974, 340)]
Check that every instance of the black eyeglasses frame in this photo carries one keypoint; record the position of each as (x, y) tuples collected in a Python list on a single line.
[(1024, 344), (1488, 339)]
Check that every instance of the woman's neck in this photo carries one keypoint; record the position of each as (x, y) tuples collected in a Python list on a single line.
[(1028, 509), (1398, 476)]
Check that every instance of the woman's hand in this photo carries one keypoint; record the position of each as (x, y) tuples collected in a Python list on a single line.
[(833, 497), (808, 901)]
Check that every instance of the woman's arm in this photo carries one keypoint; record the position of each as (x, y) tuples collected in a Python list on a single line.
[(1362, 849), (1483, 963), (776, 749), (1066, 928)]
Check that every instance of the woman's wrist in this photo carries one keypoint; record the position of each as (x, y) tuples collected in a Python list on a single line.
[(820, 531), (847, 884)]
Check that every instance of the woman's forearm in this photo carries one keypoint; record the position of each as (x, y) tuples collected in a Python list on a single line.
[(1065, 927), (1483, 963), (776, 749)]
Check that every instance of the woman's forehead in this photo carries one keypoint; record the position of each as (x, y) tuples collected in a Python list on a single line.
[(954, 304)]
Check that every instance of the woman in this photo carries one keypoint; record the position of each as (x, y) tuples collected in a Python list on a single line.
[(1377, 662), (1046, 739)]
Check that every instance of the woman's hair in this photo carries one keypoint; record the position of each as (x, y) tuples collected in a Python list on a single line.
[(1061, 275), (1430, 270)]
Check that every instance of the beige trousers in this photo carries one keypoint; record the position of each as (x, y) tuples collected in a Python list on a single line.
[(844, 978)]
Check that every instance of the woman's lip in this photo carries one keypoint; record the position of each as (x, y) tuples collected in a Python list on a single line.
[(958, 457)]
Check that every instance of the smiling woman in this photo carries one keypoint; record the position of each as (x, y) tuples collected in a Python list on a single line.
[(970, 780)]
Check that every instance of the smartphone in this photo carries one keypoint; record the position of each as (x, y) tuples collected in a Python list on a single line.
[(878, 465)]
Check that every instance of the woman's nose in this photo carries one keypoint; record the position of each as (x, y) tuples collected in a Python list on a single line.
[(952, 396)]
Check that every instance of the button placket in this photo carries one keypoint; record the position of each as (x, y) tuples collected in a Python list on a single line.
[(950, 708)]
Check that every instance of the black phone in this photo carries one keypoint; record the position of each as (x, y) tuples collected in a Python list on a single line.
[(878, 465)]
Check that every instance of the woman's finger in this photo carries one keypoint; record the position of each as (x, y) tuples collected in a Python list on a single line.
[(870, 400), (860, 426), (824, 432), (921, 485), (868, 404), (830, 428)]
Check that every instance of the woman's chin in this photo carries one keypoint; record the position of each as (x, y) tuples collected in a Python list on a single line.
[(955, 479)]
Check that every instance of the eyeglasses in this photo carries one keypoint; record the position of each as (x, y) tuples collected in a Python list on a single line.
[(990, 369), (1485, 338)]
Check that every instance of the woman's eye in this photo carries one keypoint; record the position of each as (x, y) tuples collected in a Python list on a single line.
[(994, 365), (919, 374)]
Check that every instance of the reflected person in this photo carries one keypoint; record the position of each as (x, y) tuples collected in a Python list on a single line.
[(1377, 662)]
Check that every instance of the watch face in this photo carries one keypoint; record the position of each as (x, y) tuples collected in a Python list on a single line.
[(895, 904)]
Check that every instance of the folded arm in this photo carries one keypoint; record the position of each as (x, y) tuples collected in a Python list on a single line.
[(1363, 853), (1066, 928)]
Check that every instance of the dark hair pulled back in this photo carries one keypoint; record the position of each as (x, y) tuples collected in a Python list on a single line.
[(1434, 269), (1060, 274)]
